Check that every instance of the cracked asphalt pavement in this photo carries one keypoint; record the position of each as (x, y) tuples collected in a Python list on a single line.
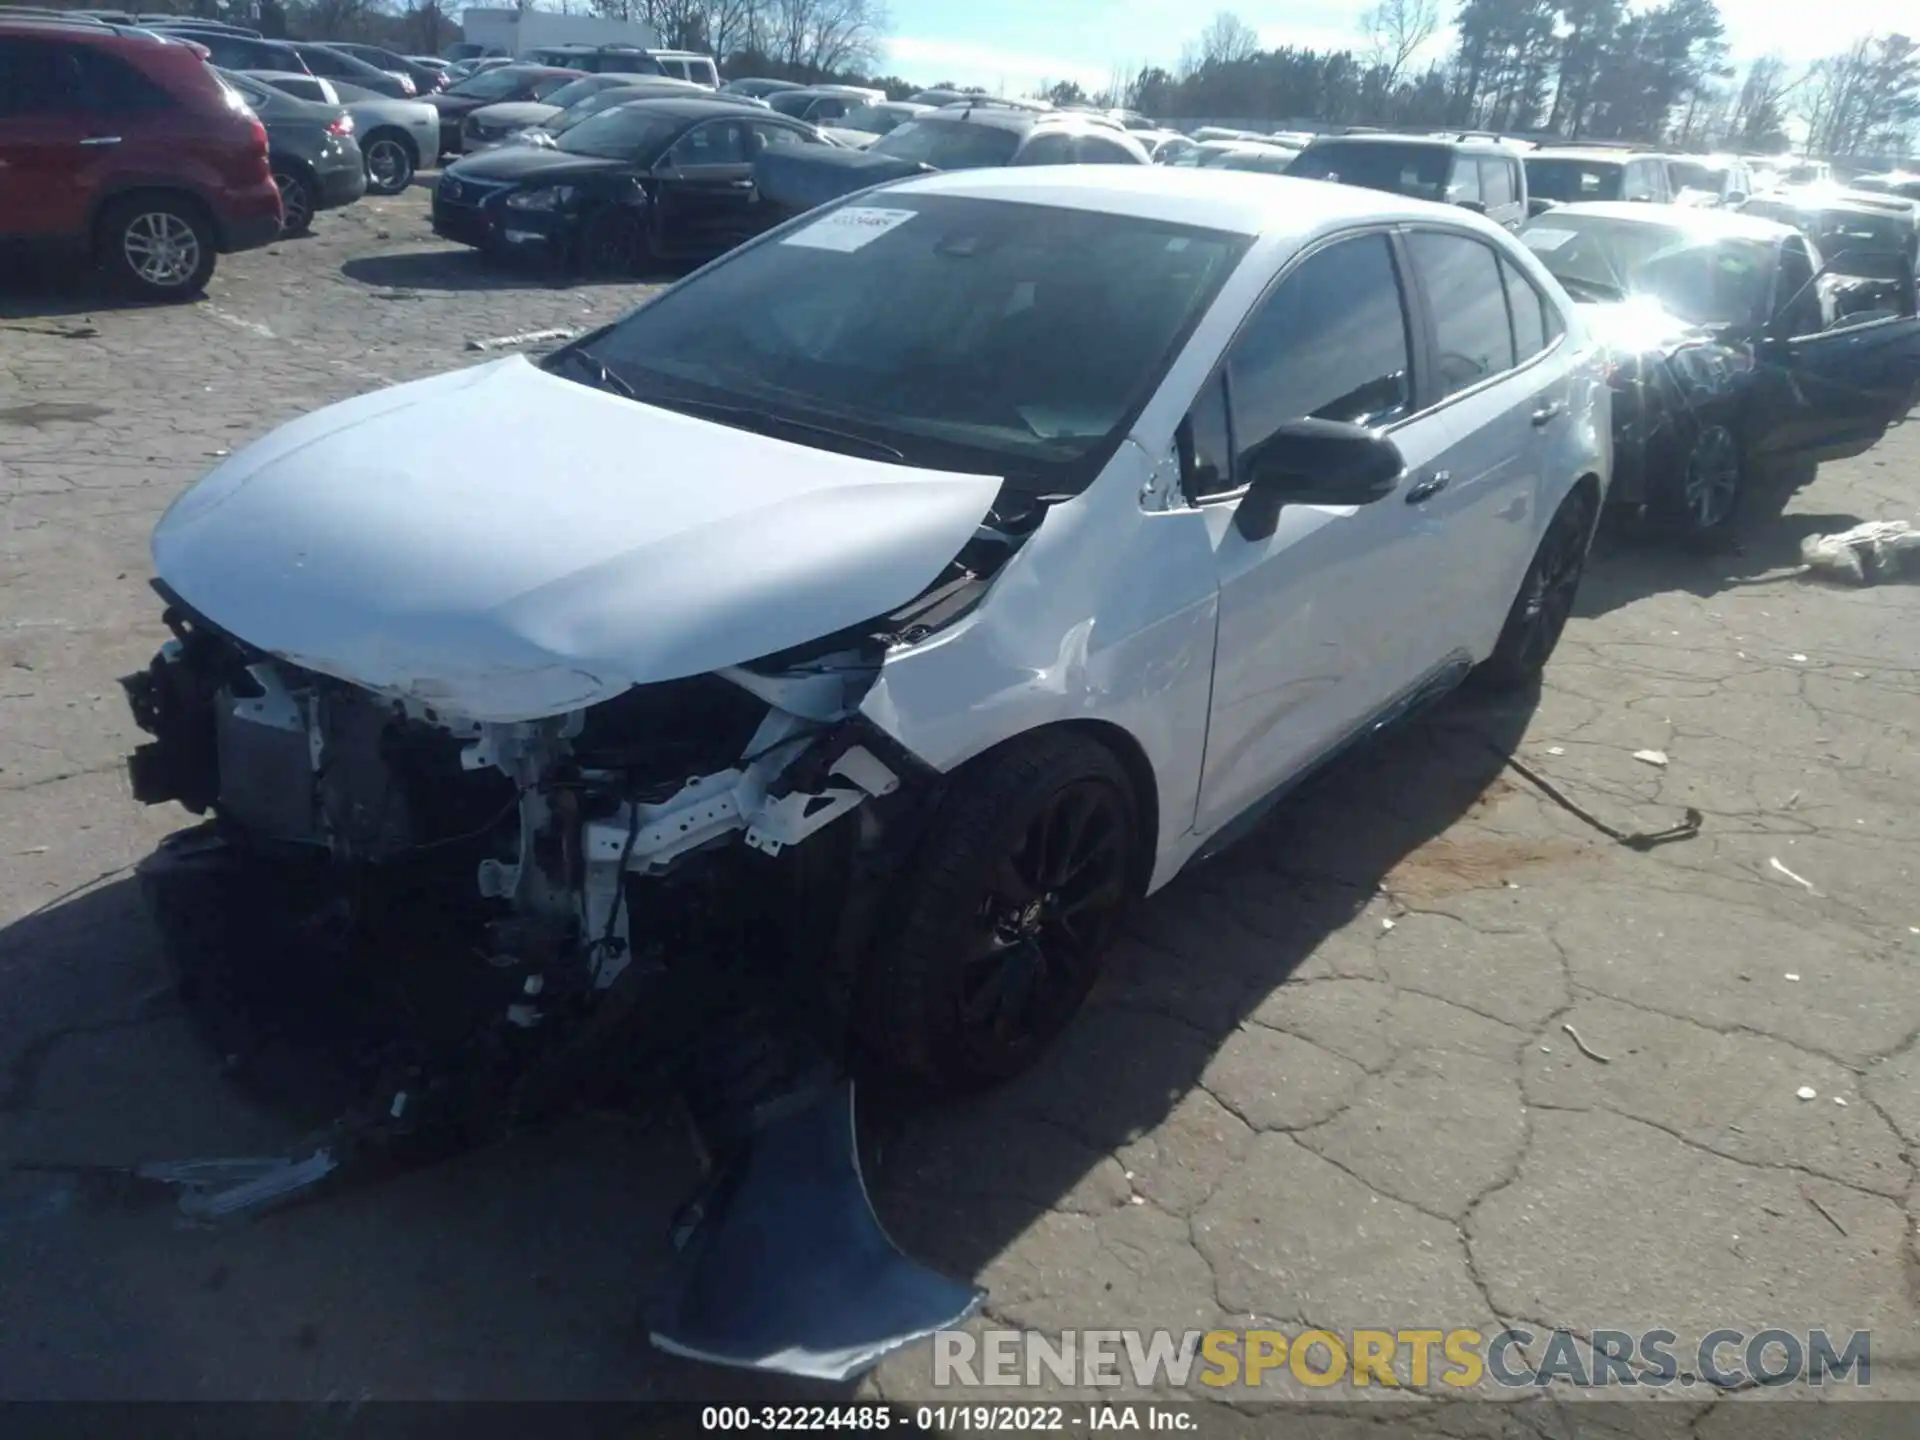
[(1331, 1079)]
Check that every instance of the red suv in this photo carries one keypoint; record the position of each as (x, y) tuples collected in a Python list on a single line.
[(126, 146)]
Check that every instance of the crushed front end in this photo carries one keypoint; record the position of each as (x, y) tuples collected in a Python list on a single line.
[(661, 891)]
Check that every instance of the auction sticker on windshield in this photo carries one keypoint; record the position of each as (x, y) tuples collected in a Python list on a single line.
[(849, 228), (1546, 239)]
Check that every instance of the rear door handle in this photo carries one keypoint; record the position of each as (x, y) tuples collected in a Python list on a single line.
[(1428, 488), (101, 140), (1547, 414)]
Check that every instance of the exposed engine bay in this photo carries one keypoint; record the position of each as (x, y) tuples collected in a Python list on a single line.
[(676, 887)]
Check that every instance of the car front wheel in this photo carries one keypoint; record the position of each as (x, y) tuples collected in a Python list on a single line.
[(1707, 492), (1540, 611), (1022, 879)]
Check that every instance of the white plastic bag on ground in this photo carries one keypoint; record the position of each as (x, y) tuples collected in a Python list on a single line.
[(1875, 550)]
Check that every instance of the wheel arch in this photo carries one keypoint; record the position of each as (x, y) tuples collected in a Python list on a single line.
[(108, 201), (1133, 759)]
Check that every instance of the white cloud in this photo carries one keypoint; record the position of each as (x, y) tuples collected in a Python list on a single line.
[(968, 64)]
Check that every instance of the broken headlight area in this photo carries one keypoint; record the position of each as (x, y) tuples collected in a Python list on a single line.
[(659, 892)]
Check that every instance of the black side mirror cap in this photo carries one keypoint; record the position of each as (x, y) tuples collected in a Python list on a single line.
[(1478, 207), (1315, 462)]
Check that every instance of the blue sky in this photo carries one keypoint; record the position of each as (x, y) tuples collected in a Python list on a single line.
[(1016, 44)]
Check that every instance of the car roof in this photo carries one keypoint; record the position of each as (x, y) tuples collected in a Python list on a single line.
[(705, 105), (1589, 153), (1423, 142), (1707, 224), (1211, 198)]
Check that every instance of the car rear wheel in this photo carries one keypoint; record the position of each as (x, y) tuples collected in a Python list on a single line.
[(390, 162), (1546, 597), (1022, 879), (296, 200), (613, 245), (157, 247)]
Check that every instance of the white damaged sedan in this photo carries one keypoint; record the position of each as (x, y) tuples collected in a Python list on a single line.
[(845, 637)]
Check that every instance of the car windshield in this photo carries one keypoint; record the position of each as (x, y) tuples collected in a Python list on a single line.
[(948, 144), (1692, 175), (1703, 280), (874, 119), (592, 105), (1272, 162), (574, 91), (622, 134), (1838, 231), (491, 84), (1012, 359), (1418, 171), (1568, 180)]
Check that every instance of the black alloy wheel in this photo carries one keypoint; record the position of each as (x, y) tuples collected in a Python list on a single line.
[(1709, 490), (1023, 878), (1541, 609)]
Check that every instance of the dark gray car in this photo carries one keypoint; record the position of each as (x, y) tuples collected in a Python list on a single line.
[(338, 65), (316, 161)]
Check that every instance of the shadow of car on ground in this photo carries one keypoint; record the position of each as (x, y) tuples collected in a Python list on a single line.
[(954, 1183)]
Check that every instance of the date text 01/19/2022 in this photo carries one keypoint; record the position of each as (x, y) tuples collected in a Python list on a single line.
[(982, 1419)]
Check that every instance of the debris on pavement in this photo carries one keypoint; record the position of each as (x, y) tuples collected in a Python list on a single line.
[(1800, 880), (1585, 1049), (1841, 1101), (1798, 659), (222, 1189), (1651, 757), (1689, 826), (1807, 1092), (1825, 1214), (1793, 977), (1869, 552)]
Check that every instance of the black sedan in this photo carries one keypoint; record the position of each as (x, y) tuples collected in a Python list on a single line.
[(498, 86), (647, 181), (1732, 340)]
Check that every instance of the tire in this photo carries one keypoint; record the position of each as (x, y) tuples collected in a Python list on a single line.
[(298, 200), (156, 247), (1705, 495), (995, 942), (390, 161), (613, 244), (1539, 612)]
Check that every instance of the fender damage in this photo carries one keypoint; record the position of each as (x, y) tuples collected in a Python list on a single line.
[(624, 837)]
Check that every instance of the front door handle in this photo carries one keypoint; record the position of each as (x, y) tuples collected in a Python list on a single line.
[(1428, 488), (1547, 413), (101, 140)]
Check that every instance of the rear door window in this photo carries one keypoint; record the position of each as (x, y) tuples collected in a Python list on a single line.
[(1496, 183), (1463, 185), (1048, 150), (1461, 277), (1532, 329)]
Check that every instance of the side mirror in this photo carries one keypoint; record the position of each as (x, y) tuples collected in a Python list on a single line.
[(1736, 197), (1315, 462), (1537, 206), (1476, 206)]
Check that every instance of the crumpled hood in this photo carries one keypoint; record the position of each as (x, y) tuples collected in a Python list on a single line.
[(1637, 326), (504, 544)]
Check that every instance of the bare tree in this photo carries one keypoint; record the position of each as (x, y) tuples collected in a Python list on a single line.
[(1227, 40), (822, 35), (1396, 31)]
